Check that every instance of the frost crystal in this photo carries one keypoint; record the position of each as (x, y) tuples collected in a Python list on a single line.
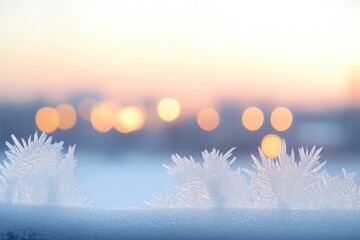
[(37, 172), (282, 183), (210, 184), (286, 183)]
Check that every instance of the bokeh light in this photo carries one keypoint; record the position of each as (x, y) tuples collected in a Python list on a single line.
[(129, 119), (47, 119), (168, 109), (113, 104), (253, 118), (271, 145), (67, 116), (102, 117), (85, 107), (281, 119), (208, 119)]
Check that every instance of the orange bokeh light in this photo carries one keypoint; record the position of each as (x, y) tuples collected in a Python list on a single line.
[(281, 119), (271, 145), (253, 118), (47, 119), (129, 119), (113, 104), (102, 117), (67, 116), (208, 119), (85, 108), (168, 109)]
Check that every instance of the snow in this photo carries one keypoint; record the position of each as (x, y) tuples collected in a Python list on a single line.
[(43, 222)]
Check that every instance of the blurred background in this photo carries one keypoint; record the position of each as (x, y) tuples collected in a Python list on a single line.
[(132, 82)]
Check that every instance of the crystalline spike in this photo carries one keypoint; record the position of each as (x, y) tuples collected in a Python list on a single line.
[(35, 136), (17, 144), (312, 151), (45, 141), (292, 155), (10, 146), (23, 142), (258, 165), (283, 148), (229, 153), (262, 155)]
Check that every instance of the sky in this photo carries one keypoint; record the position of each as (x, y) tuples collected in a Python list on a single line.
[(200, 52)]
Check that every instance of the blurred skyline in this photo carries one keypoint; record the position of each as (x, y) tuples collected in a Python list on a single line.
[(135, 129), (301, 53)]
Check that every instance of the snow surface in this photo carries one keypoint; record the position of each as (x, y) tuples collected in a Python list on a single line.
[(44, 222)]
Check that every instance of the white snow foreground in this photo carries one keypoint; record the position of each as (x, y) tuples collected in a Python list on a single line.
[(20, 222), (37, 172), (281, 183)]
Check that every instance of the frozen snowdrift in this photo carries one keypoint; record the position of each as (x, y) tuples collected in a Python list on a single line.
[(45, 222)]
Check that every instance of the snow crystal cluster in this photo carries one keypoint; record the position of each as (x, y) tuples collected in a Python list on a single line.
[(281, 183), (37, 172)]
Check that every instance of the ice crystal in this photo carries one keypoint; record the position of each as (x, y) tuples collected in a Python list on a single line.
[(286, 183), (336, 192), (209, 184), (37, 172), (282, 183)]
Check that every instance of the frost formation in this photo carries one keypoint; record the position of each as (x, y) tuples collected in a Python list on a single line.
[(37, 172), (210, 184), (281, 183)]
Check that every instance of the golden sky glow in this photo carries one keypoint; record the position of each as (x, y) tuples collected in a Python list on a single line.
[(300, 52)]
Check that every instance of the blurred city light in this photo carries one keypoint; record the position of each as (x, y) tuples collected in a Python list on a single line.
[(271, 145), (67, 116), (253, 118), (168, 109), (85, 107), (47, 119), (281, 119), (102, 117), (129, 119), (113, 104), (208, 119)]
